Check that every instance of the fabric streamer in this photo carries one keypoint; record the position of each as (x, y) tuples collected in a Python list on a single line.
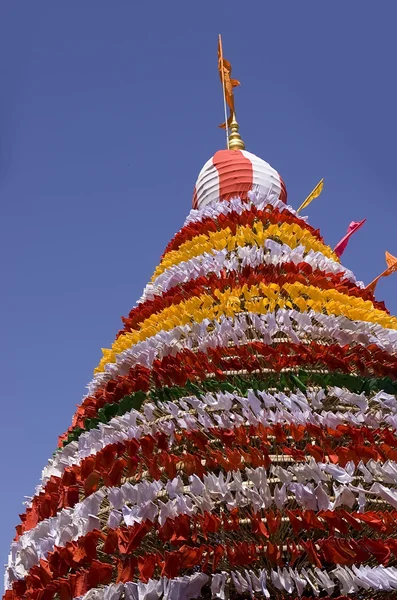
[(342, 245), (391, 262), (312, 196), (228, 84)]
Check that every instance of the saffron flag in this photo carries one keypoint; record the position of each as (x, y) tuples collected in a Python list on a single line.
[(228, 84), (315, 194), (341, 246), (391, 262)]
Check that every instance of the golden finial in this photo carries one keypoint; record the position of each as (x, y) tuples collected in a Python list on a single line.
[(235, 141)]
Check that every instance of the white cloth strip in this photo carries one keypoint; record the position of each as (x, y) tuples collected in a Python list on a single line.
[(314, 485), (298, 326), (237, 205), (349, 580), (272, 253), (222, 410)]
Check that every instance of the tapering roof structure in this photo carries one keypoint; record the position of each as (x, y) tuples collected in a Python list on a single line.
[(238, 439)]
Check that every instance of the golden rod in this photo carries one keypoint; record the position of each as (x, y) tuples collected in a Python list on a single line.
[(235, 141)]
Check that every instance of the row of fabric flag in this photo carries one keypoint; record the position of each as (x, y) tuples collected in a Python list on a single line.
[(391, 261)]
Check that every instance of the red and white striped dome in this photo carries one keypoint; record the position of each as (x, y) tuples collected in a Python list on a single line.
[(231, 173)]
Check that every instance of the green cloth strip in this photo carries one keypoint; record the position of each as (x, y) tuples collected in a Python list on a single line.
[(240, 384)]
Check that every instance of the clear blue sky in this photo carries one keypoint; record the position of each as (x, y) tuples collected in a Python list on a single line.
[(108, 110)]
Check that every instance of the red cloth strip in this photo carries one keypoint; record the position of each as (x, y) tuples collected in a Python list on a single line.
[(270, 216), (250, 276), (121, 544), (196, 366), (244, 446)]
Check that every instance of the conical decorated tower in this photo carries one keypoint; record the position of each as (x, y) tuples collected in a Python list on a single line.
[(239, 437)]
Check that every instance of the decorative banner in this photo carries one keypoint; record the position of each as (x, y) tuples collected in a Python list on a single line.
[(353, 227), (260, 299), (299, 411), (315, 194), (228, 84), (391, 262)]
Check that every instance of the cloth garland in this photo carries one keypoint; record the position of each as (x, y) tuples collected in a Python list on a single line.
[(123, 541), (112, 460), (246, 582), (261, 299), (290, 234), (264, 407), (203, 496), (118, 395), (250, 582), (261, 201), (266, 274), (268, 215), (187, 367), (268, 328), (272, 252)]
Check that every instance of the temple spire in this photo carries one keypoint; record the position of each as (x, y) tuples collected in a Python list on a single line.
[(235, 142)]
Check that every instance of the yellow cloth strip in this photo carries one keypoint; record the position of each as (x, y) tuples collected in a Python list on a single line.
[(288, 233), (259, 299)]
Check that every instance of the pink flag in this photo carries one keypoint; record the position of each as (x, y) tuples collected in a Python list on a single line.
[(341, 246)]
